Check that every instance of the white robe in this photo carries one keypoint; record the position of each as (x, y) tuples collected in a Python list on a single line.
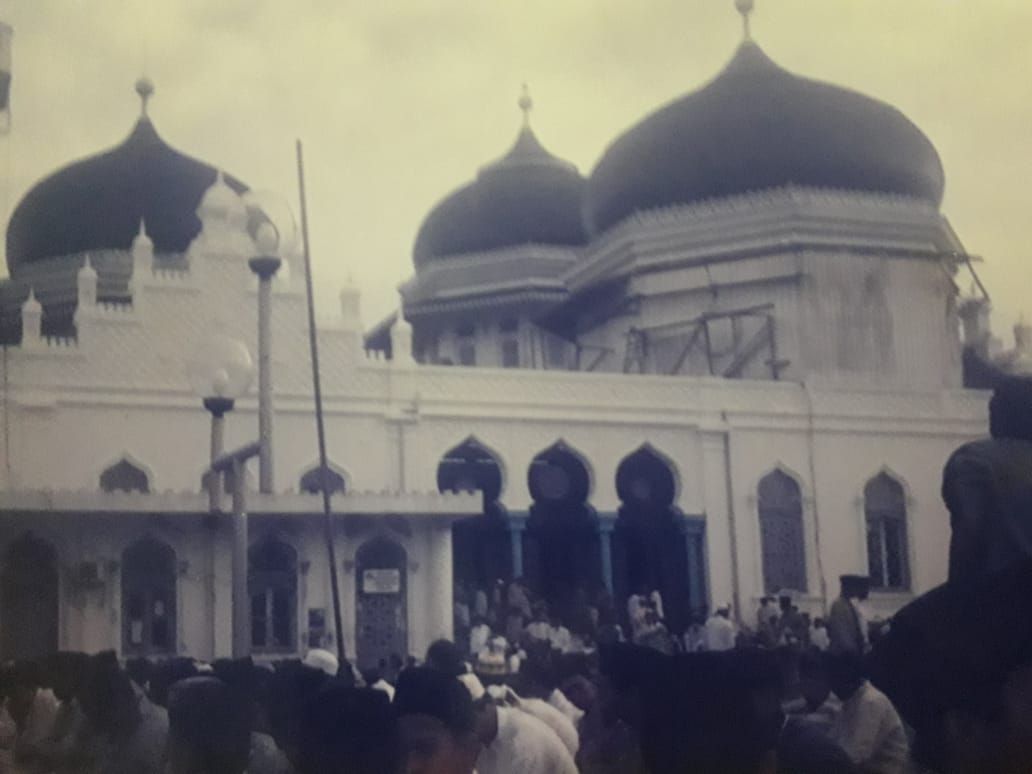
[(524, 745)]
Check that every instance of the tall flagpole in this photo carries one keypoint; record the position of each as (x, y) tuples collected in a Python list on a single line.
[(319, 424)]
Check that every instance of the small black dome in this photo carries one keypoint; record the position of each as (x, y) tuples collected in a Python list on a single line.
[(528, 196), (758, 126), (97, 203)]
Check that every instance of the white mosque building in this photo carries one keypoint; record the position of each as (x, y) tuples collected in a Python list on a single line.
[(727, 362)]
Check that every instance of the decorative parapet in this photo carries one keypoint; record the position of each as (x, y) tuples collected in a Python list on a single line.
[(422, 505)]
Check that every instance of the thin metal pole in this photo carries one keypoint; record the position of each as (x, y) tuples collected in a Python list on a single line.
[(319, 425)]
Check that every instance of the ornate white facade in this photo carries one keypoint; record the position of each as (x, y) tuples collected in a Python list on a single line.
[(798, 331)]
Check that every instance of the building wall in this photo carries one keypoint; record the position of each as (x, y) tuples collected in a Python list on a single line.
[(70, 409)]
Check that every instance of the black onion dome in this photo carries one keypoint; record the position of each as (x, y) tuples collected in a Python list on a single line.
[(757, 126), (528, 196), (97, 203)]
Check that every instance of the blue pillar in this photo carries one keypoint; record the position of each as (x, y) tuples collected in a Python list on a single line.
[(694, 530), (517, 525), (605, 532)]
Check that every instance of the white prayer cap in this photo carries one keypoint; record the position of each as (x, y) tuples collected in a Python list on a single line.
[(322, 660), (723, 606), (473, 685)]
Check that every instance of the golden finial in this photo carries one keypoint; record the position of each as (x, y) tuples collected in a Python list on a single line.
[(526, 104), (145, 88), (745, 7)]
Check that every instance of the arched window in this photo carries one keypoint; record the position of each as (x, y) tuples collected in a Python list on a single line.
[(149, 598), (885, 511), (558, 475), (124, 476), (645, 479), (782, 541), (272, 585), (311, 481), (470, 467)]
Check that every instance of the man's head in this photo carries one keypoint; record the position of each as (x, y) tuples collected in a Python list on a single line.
[(436, 723), (845, 672), (713, 713), (107, 697), (25, 678), (957, 663), (785, 602), (445, 656), (1010, 409), (724, 611), (347, 730), (814, 682), (65, 672), (209, 728)]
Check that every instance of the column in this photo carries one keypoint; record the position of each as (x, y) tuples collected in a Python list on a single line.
[(265, 267), (241, 598), (694, 530), (517, 526), (606, 523)]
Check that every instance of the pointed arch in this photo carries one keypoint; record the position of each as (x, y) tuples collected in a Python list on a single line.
[(310, 481), (779, 500), (560, 473), (471, 466), (885, 519), (149, 571), (29, 588), (272, 585), (646, 475), (126, 475)]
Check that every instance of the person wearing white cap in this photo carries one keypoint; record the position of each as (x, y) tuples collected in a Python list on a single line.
[(514, 742), (323, 660), (720, 631)]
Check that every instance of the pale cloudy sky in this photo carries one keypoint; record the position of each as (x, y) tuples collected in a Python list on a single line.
[(399, 102)]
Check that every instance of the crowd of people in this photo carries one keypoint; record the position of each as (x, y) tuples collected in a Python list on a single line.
[(944, 686)]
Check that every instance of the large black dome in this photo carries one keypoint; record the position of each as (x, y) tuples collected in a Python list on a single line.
[(528, 196), (97, 203), (758, 126)]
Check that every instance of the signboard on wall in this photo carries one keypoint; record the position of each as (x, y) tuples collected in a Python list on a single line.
[(381, 581)]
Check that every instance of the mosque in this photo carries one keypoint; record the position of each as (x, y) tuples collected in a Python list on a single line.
[(731, 360)]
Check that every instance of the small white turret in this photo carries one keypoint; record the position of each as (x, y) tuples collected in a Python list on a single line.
[(86, 283), (143, 247), (351, 306), (401, 339), (1022, 357), (32, 320)]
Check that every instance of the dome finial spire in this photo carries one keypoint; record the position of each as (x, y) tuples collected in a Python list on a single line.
[(745, 8), (526, 104), (144, 88)]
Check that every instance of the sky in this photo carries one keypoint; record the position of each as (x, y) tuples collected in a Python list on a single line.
[(400, 102)]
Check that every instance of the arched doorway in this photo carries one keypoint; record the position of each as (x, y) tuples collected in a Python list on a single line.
[(562, 556), (149, 598), (381, 614), (650, 550), (481, 549), (28, 599), (272, 586)]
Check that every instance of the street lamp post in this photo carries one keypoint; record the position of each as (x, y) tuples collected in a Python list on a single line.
[(265, 265), (220, 372)]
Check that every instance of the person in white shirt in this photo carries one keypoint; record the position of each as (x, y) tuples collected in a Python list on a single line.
[(538, 629), (867, 726), (819, 635), (479, 636), (559, 635), (543, 711), (720, 631), (515, 742)]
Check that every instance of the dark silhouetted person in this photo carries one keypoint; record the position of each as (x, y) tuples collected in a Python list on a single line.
[(436, 723)]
